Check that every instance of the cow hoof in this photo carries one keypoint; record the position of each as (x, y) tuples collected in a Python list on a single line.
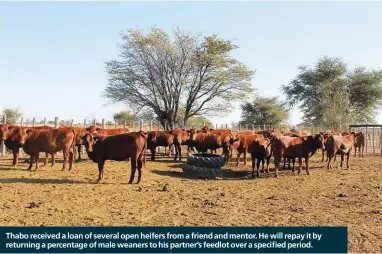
[(130, 182)]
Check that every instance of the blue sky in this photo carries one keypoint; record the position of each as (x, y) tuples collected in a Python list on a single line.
[(52, 54)]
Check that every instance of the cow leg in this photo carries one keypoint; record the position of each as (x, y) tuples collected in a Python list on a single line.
[(15, 153), (262, 165), (245, 158), (133, 168), (323, 155), (284, 162), (355, 151), (307, 166), (329, 160), (169, 150), (46, 159), (101, 165), (79, 152), (335, 156), (238, 159), (347, 159), (153, 154), (53, 159), (253, 165), (37, 157), (30, 162), (277, 162), (71, 159), (66, 155), (258, 167), (180, 152), (268, 159), (299, 165), (289, 163), (140, 168), (294, 163), (342, 159)]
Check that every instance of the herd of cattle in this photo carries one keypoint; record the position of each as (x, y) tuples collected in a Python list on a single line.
[(120, 144)]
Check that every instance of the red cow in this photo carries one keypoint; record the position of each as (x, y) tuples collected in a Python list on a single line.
[(204, 141), (296, 147), (159, 138), (260, 149), (241, 144), (181, 137), (50, 141), (118, 148), (342, 145)]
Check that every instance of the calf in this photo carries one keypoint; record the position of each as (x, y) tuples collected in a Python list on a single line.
[(118, 148), (241, 144), (50, 142), (159, 138), (342, 145), (181, 137), (296, 147), (359, 143), (260, 149)]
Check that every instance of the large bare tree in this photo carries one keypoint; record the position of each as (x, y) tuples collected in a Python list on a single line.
[(186, 74)]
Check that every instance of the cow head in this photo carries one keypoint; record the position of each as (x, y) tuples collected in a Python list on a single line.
[(319, 141), (234, 143), (193, 133), (3, 132), (88, 141)]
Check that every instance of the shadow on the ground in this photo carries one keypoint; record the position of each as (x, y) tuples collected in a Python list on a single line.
[(40, 181)]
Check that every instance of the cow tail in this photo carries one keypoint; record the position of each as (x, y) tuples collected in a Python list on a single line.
[(73, 145), (144, 135)]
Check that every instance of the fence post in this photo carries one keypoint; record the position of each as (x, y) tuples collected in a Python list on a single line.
[(159, 125), (204, 124), (226, 126), (141, 125), (115, 125), (151, 125), (103, 123), (239, 127), (366, 136), (373, 141), (21, 121), (222, 126), (33, 121), (2, 141), (71, 123), (124, 123), (44, 121), (380, 139), (94, 122), (56, 122), (216, 126), (84, 122)]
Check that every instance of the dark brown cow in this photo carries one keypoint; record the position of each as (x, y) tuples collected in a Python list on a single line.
[(241, 144), (260, 149), (181, 137), (342, 145), (296, 147), (15, 137), (51, 142), (359, 143), (118, 148), (326, 136), (159, 138)]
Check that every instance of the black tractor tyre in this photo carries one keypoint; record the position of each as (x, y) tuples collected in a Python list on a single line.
[(204, 160)]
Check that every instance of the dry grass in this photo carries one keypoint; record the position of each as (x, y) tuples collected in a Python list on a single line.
[(72, 198)]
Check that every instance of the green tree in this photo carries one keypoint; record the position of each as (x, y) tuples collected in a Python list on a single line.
[(122, 116), (263, 110), (197, 122), (13, 115), (163, 74), (332, 96)]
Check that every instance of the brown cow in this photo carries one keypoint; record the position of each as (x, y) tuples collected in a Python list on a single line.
[(296, 147), (159, 138), (204, 141), (118, 148), (342, 145), (14, 139), (260, 149), (50, 141), (78, 142), (360, 143), (241, 144), (111, 131), (181, 137)]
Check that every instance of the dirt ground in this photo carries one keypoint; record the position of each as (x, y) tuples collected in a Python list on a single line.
[(54, 197)]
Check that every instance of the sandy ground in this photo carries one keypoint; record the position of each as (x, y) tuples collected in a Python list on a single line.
[(72, 198)]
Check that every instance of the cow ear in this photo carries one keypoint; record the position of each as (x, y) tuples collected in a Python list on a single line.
[(28, 131)]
